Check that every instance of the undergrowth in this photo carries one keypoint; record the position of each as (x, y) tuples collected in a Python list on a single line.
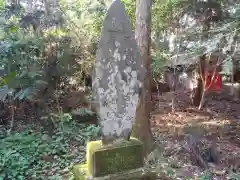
[(32, 154)]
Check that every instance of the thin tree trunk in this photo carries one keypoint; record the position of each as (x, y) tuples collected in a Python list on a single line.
[(142, 128), (198, 91)]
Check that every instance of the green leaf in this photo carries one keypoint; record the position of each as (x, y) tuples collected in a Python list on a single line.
[(5, 80), (14, 29)]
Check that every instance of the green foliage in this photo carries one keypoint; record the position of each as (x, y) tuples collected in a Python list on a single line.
[(159, 61), (130, 6), (172, 16), (2, 4), (7, 79), (22, 59), (83, 24), (164, 12), (24, 53), (34, 154)]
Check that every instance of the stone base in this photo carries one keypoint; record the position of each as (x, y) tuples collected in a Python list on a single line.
[(80, 173), (117, 157), (114, 158)]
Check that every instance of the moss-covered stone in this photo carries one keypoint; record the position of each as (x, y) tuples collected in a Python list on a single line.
[(103, 160), (80, 173)]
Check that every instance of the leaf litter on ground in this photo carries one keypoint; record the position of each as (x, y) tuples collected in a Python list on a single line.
[(218, 123)]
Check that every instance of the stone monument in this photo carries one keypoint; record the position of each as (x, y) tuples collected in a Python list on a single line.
[(117, 83)]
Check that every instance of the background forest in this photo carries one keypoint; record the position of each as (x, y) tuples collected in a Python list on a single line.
[(47, 51)]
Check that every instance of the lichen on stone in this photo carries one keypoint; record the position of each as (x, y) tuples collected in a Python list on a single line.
[(118, 74)]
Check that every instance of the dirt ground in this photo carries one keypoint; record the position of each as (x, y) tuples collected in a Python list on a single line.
[(218, 123)]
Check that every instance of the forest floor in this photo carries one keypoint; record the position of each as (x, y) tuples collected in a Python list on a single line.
[(44, 147), (218, 123), (29, 152)]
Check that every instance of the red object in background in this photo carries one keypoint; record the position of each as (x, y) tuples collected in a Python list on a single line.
[(216, 84)]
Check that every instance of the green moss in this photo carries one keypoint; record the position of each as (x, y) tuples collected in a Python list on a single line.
[(113, 158), (92, 146), (80, 171)]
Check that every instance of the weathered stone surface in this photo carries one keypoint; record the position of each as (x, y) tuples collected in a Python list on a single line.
[(118, 75), (114, 158), (80, 173)]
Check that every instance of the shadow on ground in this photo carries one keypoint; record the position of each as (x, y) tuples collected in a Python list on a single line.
[(217, 124)]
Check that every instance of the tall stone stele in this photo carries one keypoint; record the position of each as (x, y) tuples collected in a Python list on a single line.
[(117, 83)]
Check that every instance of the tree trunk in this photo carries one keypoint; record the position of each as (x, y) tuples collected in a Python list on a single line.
[(142, 128), (198, 91)]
